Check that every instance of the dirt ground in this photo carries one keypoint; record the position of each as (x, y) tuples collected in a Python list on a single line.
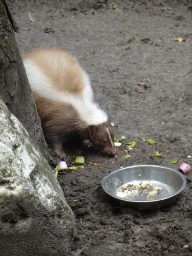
[(122, 52)]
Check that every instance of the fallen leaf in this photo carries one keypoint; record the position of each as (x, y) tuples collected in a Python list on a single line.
[(127, 42), (157, 154), (79, 160), (173, 161), (146, 86), (74, 168), (118, 139), (128, 156), (145, 40), (122, 43), (152, 142), (47, 30), (132, 144), (131, 40), (115, 8)]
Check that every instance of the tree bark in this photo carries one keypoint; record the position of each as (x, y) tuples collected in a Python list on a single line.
[(14, 85)]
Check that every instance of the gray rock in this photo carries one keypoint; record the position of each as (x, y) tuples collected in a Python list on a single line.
[(34, 216)]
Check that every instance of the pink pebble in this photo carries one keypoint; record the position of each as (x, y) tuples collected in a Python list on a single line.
[(185, 168), (62, 166)]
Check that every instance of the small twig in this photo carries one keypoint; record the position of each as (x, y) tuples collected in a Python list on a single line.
[(81, 225)]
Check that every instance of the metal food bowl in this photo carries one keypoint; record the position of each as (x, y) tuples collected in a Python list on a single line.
[(171, 181)]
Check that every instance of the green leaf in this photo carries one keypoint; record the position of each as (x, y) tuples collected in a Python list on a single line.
[(131, 40), (132, 144), (157, 154), (115, 7), (56, 171), (152, 142), (118, 139), (173, 161), (128, 156), (129, 143), (79, 160), (74, 168), (121, 20)]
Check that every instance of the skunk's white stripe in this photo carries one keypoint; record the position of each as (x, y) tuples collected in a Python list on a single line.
[(83, 103), (112, 144)]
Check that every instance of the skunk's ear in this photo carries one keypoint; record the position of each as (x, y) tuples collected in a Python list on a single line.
[(92, 130)]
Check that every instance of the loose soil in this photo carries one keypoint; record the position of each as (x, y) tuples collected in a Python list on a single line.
[(121, 53)]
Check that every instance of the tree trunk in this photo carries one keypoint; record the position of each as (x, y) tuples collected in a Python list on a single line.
[(14, 86)]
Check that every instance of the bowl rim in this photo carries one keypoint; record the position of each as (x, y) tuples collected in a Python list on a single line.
[(151, 201)]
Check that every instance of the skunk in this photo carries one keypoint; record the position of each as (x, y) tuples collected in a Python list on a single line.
[(64, 100)]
